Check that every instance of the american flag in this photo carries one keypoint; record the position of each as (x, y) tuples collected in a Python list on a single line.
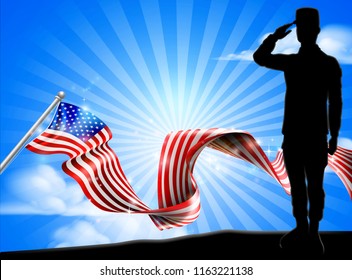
[(94, 165)]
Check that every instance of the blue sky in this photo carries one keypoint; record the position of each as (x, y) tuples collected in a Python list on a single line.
[(147, 68)]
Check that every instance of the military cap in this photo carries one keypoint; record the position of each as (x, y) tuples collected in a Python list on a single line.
[(307, 17)]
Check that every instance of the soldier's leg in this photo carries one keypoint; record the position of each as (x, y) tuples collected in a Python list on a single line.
[(295, 169), (294, 164), (315, 177), (316, 163), (316, 194)]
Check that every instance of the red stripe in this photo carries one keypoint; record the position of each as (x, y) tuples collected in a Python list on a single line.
[(163, 158), (91, 185), (131, 196), (103, 188), (166, 183), (43, 152), (176, 179), (119, 176), (84, 188), (58, 147), (65, 139)]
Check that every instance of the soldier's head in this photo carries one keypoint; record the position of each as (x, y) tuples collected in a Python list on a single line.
[(307, 22)]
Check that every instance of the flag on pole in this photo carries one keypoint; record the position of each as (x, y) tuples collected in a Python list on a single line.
[(94, 165)]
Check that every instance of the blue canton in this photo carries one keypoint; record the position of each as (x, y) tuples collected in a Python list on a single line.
[(76, 121)]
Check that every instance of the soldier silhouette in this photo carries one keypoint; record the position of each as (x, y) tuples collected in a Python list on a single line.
[(313, 105)]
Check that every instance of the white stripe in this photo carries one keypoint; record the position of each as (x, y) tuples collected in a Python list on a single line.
[(180, 175), (237, 143), (60, 142), (261, 157), (106, 134), (195, 203), (122, 181), (121, 174), (106, 184), (285, 181), (164, 164), (344, 155), (88, 168), (68, 135), (344, 178), (245, 151), (195, 141), (156, 220), (111, 180), (339, 165), (281, 170), (77, 172), (52, 149), (199, 134), (183, 172), (113, 157), (172, 160), (339, 169), (343, 158)]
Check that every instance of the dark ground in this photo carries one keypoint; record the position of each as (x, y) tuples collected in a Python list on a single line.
[(221, 245)]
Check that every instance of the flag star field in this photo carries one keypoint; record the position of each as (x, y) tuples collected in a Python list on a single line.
[(72, 119), (140, 74)]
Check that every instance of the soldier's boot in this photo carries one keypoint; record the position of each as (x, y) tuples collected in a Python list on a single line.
[(315, 243), (296, 238)]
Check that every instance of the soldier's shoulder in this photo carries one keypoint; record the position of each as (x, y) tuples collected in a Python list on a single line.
[(332, 64), (329, 58)]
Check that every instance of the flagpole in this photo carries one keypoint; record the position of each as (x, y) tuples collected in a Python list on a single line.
[(60, 95)]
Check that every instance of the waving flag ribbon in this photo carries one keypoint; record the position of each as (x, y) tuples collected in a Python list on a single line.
[(94, 165)]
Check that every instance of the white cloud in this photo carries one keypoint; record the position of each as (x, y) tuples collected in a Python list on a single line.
[(135, 226), (78, 234), (335, 40), (244, 55), (345, 143), (112, 228), (287, 45), (40, 190)]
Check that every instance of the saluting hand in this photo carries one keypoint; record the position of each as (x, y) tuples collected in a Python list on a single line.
[(282, 31)]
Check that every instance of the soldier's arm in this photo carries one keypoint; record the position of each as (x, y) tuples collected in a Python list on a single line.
[(335, 106), (263, 55)]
